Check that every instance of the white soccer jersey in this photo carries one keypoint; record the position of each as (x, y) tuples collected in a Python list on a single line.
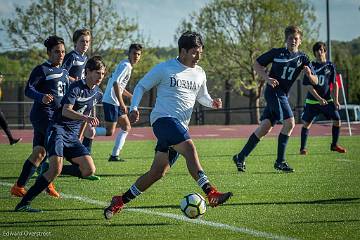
[(121, 76), (178, 87)]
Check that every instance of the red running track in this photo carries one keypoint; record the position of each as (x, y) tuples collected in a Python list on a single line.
[(207, 131)]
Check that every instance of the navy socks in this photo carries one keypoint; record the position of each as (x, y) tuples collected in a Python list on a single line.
[(282, 142)]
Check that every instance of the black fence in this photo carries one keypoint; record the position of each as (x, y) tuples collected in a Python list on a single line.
[(17, 115)]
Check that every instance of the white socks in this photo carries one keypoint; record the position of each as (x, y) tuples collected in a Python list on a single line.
[(119, 142)]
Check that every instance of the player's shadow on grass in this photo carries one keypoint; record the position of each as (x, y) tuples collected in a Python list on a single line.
[(58, 209), (327, 221), (68, 222), (320, 201), (136, 224)]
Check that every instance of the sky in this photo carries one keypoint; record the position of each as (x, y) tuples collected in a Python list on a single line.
[(158, 19)]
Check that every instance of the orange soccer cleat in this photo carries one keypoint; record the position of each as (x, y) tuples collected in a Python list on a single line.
[(17, 191), (51, 191), (216, 198)]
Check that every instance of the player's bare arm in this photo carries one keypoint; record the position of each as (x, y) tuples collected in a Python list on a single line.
[(69, 112), (126, 93), (119, 97), (312, 77), (313, 92), (261, 71)]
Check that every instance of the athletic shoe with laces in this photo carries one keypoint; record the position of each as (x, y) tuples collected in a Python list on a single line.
[(303, 151), (51, 191), (115, 159), (337, 148), (283, 166), (216, 198), (239, 164), (15, 141), (92, 178), (115, 206), (26, 208), (17, 191)]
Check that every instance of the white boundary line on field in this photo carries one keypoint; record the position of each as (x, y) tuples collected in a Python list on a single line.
[(244, 230)]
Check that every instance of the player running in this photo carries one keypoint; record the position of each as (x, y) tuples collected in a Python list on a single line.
[(63, 141), (46, 86), (319, 100), (180, 83), (287, 64), (115, 110)]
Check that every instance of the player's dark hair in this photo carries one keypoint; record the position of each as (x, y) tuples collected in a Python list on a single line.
[(52, 41), (190, 40), (135, 46), (80, 32), (95, 63), (317, 46), (290, 30)]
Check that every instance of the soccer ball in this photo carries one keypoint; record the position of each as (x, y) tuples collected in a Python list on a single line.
[(193, 205)]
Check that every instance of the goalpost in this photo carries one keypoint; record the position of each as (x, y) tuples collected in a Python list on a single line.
[(345, 103)]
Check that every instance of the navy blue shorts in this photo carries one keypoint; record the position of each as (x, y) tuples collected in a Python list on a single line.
[(312, 110), (277, 107), (40, 132), (112, 112), (64, 144), (169, 132)]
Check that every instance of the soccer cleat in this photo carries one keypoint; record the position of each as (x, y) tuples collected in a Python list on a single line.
[(115, 206), (51, 191), (239, 164), (283, 166), (15, 141), (26, 208), (303, 151), (216, 198), (337, 148), (115, 159), (92, 178), (17, 191)]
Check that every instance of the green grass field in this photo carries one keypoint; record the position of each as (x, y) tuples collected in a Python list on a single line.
[(321, 200)]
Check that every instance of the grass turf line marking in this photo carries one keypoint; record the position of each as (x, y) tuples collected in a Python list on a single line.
[(174, 216)]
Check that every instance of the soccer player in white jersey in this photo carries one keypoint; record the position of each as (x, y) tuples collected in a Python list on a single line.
[(115, 110), (180, 83)]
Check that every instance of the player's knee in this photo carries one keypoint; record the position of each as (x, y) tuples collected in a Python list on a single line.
[(110, 132), (289, 125), (307, 125), (337, 123), (127, 128), (38, 155), (88, 171), (90, 133)]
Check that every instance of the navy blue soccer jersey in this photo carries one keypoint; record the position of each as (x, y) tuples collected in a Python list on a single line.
[(75, 62), (326, 74), (286, 66), (83, 100), (46, 79)]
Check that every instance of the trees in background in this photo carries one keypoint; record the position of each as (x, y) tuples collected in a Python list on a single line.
[(237, 32), (32, 25), (346, 56)]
